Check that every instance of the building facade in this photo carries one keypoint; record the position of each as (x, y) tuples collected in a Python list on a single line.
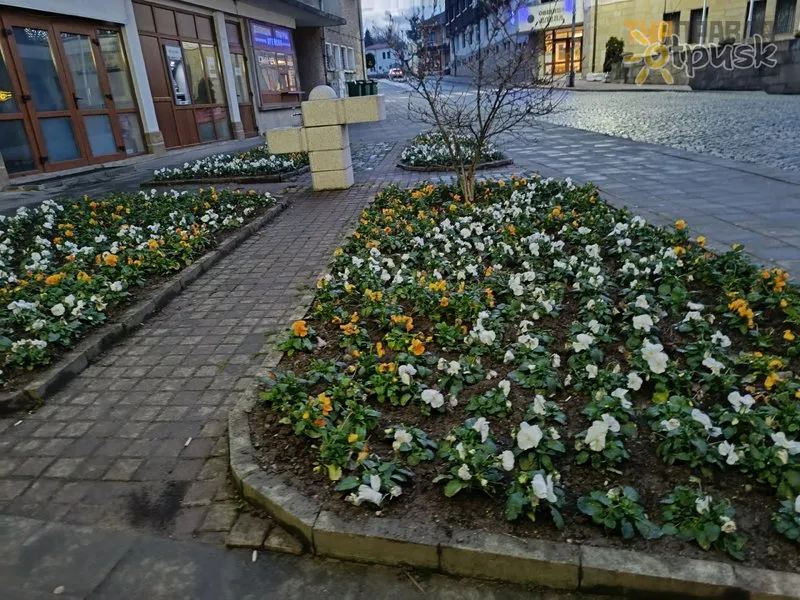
[(723, 20), (382, 58), (94, 81)]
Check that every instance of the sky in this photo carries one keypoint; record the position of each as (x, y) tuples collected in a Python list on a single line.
[(374, 11)]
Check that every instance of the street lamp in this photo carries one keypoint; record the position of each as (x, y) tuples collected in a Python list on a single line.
[(571, 82)]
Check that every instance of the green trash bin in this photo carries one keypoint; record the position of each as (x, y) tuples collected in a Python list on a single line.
[(373, 87), (363, 87), (353, 89)]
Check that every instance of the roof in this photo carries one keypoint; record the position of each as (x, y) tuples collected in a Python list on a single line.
[(380, 46)]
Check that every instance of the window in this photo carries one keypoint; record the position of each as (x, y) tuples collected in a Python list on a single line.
[(342, 62), (351, 59), (673, 21), (329, 60), (784, 16), (275, 61), (695, 25), (759, 11)]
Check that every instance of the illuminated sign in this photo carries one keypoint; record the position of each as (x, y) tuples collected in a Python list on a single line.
[(4, 95), (271, 37)]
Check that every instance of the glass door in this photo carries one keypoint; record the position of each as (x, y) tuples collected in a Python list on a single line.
[(15, 133), (90, 93), (43, 88)]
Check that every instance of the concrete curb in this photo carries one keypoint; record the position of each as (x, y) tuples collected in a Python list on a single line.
[(475, 553), (34, 392), (442, 168), (243, 179)]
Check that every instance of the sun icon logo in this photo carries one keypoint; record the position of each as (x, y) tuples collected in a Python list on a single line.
[(655, 55)]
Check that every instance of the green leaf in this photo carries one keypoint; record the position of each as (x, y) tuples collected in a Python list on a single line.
[(453, 487), (348, 483), (627, 529), (586, 506), (514, 506), (669, 529), (558, 520), (648, 529)]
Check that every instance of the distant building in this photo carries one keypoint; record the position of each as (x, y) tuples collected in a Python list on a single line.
[(434, 44), (384, 59)]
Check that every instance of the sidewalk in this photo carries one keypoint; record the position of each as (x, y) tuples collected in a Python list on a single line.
[(39, 560), (582, 85)]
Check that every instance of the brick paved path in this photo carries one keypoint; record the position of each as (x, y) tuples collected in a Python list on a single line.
[(112, 449)]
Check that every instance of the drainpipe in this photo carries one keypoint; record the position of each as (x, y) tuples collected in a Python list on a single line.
[(361, 41), (703, 22)]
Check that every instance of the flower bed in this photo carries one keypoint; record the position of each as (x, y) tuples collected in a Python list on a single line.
[(258, 161), (430, 150), (63, 267), (538, 362)]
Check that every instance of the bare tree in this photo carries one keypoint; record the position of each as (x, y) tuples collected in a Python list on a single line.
[(508, 89)]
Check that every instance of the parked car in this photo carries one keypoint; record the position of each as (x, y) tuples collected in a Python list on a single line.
[(396, 74)]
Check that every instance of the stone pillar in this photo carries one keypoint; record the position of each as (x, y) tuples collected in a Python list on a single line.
[(141, 86), (227, 75)]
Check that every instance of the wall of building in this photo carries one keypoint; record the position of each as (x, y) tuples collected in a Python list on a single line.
[(348, 35), (385, 59), (726, 18)]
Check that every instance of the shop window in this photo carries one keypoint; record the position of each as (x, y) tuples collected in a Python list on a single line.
[(275, 61), (784, 16)]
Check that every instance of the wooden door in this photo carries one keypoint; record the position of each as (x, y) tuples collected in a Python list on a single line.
[(17, 140), (160, 89)]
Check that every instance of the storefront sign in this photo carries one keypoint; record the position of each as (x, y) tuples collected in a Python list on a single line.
[(271, 37), (173, 53), (5, 96), (550, 15)]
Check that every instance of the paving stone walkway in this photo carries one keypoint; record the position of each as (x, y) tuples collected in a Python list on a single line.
[(137, 440)]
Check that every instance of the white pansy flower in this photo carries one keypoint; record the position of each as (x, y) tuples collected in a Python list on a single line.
[(505, 387), (641, 302), (695, 306), (368, 493), (433, 398), (481, 425), (728, 525), (582, 342), (741, 404), (401, 436), (797, 504), (591, 371), (781, 440), (704, 420), (702, 504), (539, 405), (463, 473), (643, 322), (655, 356), (406, 372), (670, 425), (509, 357), (555, 361), (487, 336), (528, 436), (728, 450), (634, 381), (720, 339), (713, 365), (543, 487), (58, 310), (507, 460)]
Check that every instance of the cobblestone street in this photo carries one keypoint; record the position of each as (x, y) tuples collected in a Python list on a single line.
[(137, 441)]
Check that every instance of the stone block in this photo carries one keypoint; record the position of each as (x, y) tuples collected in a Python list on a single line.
[(610, 571), (495, 556), (332, 180), (318, 113), (330, 160), (763, 584), (365, 109), (286, 139), (373, 540), (330, 137)]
